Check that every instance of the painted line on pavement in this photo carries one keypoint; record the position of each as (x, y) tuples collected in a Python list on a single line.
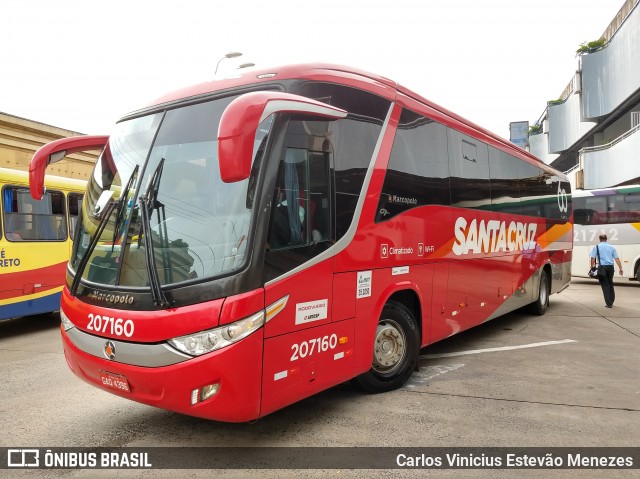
[(492, 350), (428, 373)]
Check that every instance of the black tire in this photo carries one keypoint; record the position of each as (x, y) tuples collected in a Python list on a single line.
[(395, 350), (541, 304)]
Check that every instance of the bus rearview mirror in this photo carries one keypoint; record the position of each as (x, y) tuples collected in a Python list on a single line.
[(240, 120), (55, 151)]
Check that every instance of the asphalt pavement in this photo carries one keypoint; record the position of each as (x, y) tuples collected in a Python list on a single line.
[(570, 378)]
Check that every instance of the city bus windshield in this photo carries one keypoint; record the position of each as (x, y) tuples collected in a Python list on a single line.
[(197, 226)]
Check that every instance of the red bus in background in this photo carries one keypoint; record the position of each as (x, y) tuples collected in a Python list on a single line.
[(248, 242)]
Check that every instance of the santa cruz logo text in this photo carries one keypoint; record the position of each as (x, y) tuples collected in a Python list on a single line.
[(492, 236)]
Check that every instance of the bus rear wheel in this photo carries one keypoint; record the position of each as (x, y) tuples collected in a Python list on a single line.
[(395, 350), (540, 306)]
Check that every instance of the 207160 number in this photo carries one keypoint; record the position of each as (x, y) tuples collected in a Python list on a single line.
[(117, 327), (313, 346)]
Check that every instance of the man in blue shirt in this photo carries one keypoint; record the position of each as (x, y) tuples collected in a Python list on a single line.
[(606, 254)]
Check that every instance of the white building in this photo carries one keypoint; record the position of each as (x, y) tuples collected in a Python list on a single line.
[(593, 130)]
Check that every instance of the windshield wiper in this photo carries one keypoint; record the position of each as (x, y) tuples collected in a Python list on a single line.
[(121, 206), (148, 203), (106, 214)]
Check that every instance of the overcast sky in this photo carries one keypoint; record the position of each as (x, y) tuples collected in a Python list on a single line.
[(81, 65)]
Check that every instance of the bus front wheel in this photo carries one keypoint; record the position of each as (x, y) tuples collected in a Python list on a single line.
[(395, 350)]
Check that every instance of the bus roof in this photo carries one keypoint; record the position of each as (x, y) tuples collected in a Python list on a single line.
[(346, 75), (311, 71)]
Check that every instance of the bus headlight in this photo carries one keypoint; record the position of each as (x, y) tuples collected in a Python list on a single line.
[(66, 322), (207, 341)]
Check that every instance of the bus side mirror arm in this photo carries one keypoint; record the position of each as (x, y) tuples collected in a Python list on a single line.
[(55, 151), (240, 120)]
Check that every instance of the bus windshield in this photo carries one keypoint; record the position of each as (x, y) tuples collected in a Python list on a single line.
[(198, 225)]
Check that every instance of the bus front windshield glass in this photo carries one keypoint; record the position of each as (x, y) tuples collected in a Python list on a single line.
[(198, 226)]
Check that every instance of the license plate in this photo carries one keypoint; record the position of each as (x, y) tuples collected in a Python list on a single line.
[(114, 381)]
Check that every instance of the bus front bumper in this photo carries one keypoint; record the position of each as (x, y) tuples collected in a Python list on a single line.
[(236, 370)]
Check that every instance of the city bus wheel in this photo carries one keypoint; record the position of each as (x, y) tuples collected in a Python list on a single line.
[(395, 350), (540, 306)]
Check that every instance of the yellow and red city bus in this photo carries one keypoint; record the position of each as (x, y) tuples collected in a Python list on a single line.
[(251, 241), (35, 242)]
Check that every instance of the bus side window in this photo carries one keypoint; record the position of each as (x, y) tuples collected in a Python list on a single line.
[(18, 218), (352, 143), (30, 220), (418, 171), (505, 186), (74, 205), (286, 226), (469, 171), (300, 226), (301, 214)]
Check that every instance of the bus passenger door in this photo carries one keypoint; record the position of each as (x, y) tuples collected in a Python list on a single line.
[(304, 350)]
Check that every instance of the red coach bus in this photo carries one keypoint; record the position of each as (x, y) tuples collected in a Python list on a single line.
[(248, 242)]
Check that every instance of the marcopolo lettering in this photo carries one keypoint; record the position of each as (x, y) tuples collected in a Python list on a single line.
[(402, 200), (111, 298), (492, 236)]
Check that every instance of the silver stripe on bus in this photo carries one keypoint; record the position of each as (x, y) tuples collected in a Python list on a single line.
[(275, 308), (135, 354)]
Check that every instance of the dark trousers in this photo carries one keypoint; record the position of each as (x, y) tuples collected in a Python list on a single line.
[(606, 284)]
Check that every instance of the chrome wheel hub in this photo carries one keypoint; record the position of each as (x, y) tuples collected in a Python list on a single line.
[(389, 347)]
